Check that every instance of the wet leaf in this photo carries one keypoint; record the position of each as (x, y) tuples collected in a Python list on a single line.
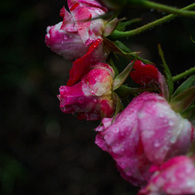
[(183, 100), (185, 85), (122, 25), (110, 27), (119, 106), (119, 48), (167, 72), (189, 113), (120, 79)]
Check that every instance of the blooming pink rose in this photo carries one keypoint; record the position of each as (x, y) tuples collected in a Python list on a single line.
[(72, 37), (174, 177), (91, 98), (145, 133)]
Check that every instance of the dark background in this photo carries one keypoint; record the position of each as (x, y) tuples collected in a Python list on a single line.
[(42, 150)]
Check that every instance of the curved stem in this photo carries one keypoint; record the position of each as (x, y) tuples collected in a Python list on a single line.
[(167, 9), (119, 34), (184, 74)]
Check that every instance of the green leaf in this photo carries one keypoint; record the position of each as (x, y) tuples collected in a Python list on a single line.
[(119, 106), (110, 27), (113, 66), (122, 50), (167, 72), (124, 91), (185, 85), (189, 113), (192, 39), (122, 25), (183, 100), (122, 47), (120, 79)]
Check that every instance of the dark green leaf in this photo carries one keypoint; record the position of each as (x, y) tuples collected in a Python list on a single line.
[(167, 72), (114, 67), (122, 25), (183, 100), (185, 85), (189, 113), (119, 105), (122, 50), (120, 79), (110, 27)]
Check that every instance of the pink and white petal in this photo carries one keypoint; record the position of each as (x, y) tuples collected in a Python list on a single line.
[(160, 128), (94, 55)]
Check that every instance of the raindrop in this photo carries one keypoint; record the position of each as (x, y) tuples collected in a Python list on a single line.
[(173, 139), (171, 123), (165, 120), (66, 37), (156, 143), (161, 115), (116, 130)]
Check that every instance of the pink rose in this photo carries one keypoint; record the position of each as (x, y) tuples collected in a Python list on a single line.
[(72, 37), (176, 177), (95, 54), (91, 98), (145, 133)]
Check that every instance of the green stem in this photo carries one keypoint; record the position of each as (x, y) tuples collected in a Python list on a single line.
[(166, 8), (124, 91), (119, 34), (184, 74)]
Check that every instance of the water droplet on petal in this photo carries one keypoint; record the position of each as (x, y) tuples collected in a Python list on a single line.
[(171, 123), (116, 130), (156, 143)]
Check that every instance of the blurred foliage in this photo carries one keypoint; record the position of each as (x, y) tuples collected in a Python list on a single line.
[(44, 151)]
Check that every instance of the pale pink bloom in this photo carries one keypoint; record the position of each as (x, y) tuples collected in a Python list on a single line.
[(72, 37), (145, 133), (91, 98), (174, 177)]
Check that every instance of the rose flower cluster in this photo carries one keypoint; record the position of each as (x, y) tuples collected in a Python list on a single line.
[(149, 138)]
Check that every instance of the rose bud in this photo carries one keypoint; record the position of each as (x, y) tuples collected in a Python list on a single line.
[(72, 37), (91, 98)]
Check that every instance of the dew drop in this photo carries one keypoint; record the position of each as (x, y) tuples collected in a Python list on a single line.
[(171, 123), (66, 37), (116, 130), (156, 143), (173, 139)]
